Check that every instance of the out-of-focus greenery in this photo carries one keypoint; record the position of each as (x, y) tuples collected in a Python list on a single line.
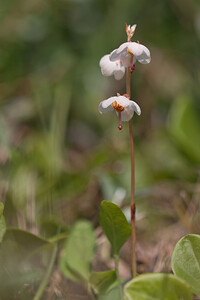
[(59, 157), (186, 250)]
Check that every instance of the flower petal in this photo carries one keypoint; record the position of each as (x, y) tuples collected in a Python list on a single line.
[(125, 59), (123, 101), (135, 107), (115, 54), (122, 47), (127, 114), (128, 111), (140, 52), (106, 105), (145, 56), (135, 48), (119, 74), (107, 66)]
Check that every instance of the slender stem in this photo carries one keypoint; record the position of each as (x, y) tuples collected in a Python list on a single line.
[(133, 232), (116, 257), (90, 291), (45, 280), (128, 82)]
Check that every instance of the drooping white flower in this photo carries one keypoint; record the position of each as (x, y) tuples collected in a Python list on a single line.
[(129, 52), (109, 67), (123, 106)]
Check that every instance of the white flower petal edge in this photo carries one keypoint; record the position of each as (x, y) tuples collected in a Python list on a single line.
[(140, 53), (109, 67), (128, 106), (106, 105), (143, 54), (128, 111)]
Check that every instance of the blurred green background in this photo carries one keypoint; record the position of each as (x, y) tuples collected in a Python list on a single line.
[(59, 157)]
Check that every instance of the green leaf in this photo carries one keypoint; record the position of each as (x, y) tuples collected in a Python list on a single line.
[(157, 286), (24, 258), (2, 228), (186, 261), (101, 281), (75, 260), (1, 208), (113, 294), (114, 224)]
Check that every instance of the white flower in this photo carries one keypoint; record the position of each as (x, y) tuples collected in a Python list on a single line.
[(109, 68), (123, 106), (129, 52)]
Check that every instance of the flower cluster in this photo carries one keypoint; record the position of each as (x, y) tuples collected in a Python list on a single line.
[(115, 63)]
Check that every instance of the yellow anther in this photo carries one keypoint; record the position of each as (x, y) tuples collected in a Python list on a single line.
[(117, 107), (128, 51), (114, 105)]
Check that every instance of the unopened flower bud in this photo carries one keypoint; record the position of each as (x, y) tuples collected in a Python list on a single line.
[(130, 31)]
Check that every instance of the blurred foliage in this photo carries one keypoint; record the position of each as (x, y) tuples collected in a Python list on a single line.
[(23, 258), (157, 286), (76, 257), (187, 251), (59, 157)]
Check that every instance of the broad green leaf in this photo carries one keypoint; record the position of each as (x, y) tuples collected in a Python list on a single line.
[(113, 294), (186, 261), (2, 228), (75, 261), (24, 258), (114, 225), (101, 281), (67, 271), (1, 208), (157, 286)]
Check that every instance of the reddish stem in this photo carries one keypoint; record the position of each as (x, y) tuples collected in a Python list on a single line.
[(133, 232), (120, 120)]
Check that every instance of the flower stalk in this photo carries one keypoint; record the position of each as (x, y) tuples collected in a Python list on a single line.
[(116, 257), (132, 204), (132, 207), (121, 59)]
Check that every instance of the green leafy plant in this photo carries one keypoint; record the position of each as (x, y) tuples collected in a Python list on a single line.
[(186, 261), (58, 160), (114, 225), (102, 281), (75, 261), (117, 230), (157, 287), (24, 259), (76, 258)]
